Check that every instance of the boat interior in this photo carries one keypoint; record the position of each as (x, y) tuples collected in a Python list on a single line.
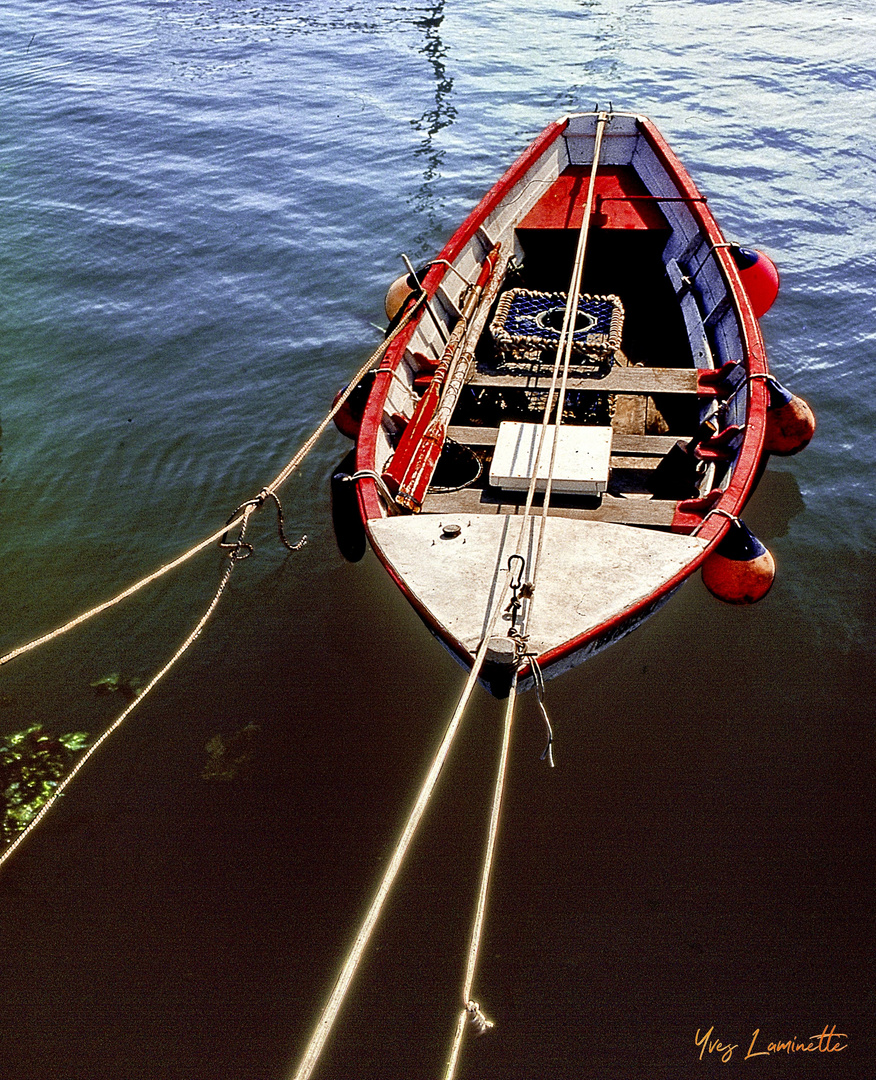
[(673, 436), (625, 259)]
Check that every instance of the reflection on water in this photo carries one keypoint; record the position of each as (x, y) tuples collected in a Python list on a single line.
[(436, 117), (230, 22)]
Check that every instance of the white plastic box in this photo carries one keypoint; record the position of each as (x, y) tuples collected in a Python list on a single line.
[(582, 463)]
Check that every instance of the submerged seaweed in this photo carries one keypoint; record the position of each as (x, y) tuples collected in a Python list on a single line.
[(115, 684), (229, 757), (32, 764)]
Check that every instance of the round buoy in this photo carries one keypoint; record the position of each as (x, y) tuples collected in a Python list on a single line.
[(760, 278), (741, 570), (397, 294), (402, 289), (790, 423)]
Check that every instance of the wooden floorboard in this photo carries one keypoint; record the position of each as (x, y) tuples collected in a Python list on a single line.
[(658, 445), (635, 511)]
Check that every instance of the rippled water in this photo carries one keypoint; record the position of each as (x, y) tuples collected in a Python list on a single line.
[(202, 203)]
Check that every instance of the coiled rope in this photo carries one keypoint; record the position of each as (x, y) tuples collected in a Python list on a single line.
[(237, 550)]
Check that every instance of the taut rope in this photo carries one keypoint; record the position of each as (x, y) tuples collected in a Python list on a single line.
[(563, 357), (240, 514), (120, 719), (354, 957), (564, 349), (472, 1011), (237, 550)]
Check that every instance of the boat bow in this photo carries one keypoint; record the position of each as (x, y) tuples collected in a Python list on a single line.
[(592, 575)]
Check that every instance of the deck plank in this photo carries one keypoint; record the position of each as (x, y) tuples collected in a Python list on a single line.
[(620, 380), (657, 445)]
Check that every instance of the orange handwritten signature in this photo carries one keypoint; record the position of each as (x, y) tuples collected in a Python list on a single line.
[(830, 1041)]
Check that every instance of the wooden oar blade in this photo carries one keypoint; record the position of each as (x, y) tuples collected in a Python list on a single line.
[(419, 476), (424, 413), (422, 469)]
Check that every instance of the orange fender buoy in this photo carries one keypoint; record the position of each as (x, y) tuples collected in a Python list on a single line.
[(740, 570), (790, 423), (760, 278), (397, 294), (400, 291)]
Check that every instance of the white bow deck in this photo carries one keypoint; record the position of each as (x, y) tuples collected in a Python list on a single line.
[(589, 572)]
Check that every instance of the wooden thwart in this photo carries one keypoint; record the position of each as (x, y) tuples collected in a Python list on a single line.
[(642, 445), (620, 380), (634, 511)]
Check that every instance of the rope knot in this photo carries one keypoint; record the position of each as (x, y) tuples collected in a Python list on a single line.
[(476, 1017)]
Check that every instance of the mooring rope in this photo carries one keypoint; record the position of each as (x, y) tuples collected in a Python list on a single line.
[(120, 719), (238, 517), (472, 1014), (562, 360), (567, 338), (354, 957), (237, 550)]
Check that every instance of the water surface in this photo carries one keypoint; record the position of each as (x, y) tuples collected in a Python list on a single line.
[(203, 202)]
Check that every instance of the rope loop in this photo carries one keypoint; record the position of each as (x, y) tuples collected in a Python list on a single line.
[(281, 522), (239, 549), (732, 518), (523, 656), (538, 679)]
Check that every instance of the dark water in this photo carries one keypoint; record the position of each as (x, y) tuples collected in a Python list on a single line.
[(202, 203)]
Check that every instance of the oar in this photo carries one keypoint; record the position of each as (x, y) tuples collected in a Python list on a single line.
[(396, 475), (419, 474)]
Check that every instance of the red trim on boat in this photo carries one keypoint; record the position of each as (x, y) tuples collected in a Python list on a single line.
[(746, 471), (710, 528)]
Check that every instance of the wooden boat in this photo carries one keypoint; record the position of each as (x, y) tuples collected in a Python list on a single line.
[(516, 555)]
